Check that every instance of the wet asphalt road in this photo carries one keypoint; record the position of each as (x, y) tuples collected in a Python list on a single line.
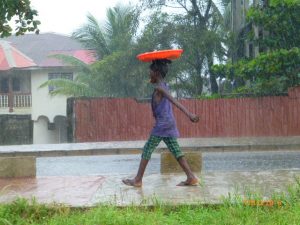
[(128, 164)]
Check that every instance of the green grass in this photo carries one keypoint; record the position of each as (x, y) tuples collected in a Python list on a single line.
[(232, 211)]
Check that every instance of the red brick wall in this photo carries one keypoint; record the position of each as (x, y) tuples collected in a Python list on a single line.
[(107, 119)]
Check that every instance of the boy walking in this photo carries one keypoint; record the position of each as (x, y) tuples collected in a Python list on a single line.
[(165, 128)]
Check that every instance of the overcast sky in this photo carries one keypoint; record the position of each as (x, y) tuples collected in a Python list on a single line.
[(65, 16)]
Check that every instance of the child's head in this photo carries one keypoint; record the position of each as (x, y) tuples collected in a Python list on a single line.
[(160, 66)]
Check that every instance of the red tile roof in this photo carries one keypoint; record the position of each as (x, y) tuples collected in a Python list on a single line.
[(39, 47), (86, 56), (10, 57)]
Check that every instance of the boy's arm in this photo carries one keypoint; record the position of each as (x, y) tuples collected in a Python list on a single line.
[(192, 117)]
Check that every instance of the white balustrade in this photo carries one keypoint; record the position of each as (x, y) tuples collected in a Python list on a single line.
[(19, 101), (3, 101), (22, 100)]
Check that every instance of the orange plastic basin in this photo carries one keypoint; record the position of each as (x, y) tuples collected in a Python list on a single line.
[(163, 54)]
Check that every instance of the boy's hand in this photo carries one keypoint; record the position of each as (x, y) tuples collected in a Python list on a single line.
[(194, 118)]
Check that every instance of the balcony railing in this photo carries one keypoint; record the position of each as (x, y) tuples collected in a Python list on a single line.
[(3, 101), (18, 101), (22, 100)]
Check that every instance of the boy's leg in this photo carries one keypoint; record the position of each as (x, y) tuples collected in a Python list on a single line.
[(149, 147), (138, 180), (174, 148), (191, 179)]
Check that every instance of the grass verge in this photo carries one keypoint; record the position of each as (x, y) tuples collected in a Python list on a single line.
[(234, 210)]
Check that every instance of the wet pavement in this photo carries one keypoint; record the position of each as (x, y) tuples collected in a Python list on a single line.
[(85, 191), (73, 191), (128, 164), (90, 180), (215, 185)]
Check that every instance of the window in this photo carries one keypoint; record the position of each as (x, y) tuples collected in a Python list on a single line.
[(4, 85), (16, 84), (52, 76)]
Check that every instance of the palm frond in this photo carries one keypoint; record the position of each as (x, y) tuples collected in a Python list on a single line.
[(92, 36), (69, 88)]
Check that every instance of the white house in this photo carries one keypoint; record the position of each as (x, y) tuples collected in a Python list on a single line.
[(24, 65)]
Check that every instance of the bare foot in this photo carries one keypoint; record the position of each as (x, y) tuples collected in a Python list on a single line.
[(189, 182), (132, 182)]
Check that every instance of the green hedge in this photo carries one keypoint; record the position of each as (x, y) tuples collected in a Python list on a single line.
[(268, 74)]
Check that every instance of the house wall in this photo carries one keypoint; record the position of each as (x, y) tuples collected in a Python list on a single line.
[(47, 109), (42, 103), (16, 111), (104, 119), (50, 133), (41, 134)]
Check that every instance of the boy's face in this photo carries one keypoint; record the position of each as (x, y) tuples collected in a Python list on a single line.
[(154, 77)]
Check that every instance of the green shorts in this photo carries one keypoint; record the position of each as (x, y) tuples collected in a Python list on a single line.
[(153, 142)]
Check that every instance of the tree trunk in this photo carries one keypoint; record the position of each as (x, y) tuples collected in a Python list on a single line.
[(212, 77), (199, 80), (199, 85), (213, 84)]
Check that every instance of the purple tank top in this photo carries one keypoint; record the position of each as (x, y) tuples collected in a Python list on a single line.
[(165, 124)]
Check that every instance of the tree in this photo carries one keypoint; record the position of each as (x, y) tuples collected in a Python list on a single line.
[(270, 73), (280, 23), (119, 74), (117, 42), (197, 31), (116, 34), (24, 17), (276, 69), (116, 74)]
